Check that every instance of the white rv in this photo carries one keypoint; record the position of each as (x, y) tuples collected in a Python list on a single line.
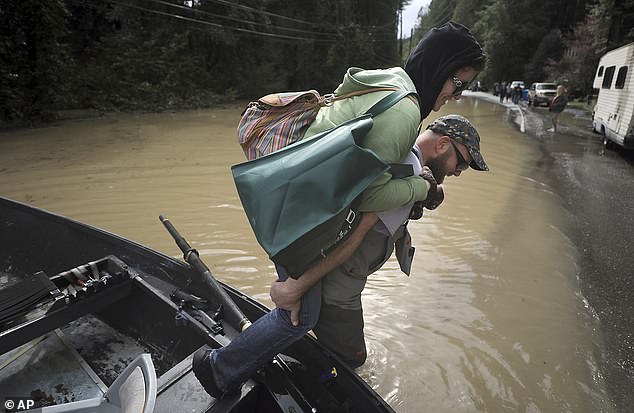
[(613, 112)]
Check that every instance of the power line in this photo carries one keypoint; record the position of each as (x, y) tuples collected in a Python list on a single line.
[(235, 19), (382, 60), (444, 14), (247, 32), (220, 26), (240, 6)]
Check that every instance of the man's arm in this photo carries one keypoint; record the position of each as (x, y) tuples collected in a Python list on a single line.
[(287, 294)]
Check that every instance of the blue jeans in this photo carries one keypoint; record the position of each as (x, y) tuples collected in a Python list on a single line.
[(269, 335)]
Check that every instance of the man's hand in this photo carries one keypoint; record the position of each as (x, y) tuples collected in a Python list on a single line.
[(435, 194), (434, 200), (417, 210), (287, 295)]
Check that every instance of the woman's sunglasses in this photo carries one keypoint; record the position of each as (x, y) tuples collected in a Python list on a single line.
[(460, 86)]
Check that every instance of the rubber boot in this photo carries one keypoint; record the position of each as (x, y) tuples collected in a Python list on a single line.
[(341, 331)]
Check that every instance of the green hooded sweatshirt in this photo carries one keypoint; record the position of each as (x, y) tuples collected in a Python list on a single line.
[(391, 138)]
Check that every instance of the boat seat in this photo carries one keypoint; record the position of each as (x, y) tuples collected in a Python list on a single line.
[(22, 297), (134, 391)]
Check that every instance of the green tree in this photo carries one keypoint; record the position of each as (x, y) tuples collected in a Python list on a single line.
[(601, 21), (465, 11), (507, 42), (612, 24), (159, 54), (580, 47), (551, 48), (439, 12), (518, 37), (33, 60)]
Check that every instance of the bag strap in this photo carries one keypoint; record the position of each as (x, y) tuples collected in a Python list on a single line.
[(396, 169), (363, 92), (327, 100), (401, 170), (388, 101)]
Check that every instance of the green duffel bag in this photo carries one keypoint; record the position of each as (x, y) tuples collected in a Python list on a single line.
[(300, 200)]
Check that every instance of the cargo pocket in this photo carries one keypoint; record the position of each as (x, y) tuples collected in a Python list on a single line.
[(370, 256)]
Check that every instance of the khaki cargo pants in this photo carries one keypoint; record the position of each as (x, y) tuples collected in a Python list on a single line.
[(340, 325)]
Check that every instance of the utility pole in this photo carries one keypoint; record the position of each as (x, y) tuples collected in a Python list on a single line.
[(400, 37)]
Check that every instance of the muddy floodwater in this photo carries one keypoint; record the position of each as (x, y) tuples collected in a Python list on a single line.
[(491, 318)]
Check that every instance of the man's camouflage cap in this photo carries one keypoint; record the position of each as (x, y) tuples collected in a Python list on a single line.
[(461, 130)]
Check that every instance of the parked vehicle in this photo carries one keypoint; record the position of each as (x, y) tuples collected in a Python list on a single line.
[(540, 93), (612, 115), (517, 91), (517, 83), (79, 304)]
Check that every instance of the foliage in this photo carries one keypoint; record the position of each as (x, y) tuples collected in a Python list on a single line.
[(600, 15), (32, 59), (172, 54), (509, 45), (551, 49), (465, 11), (579, 48), (528, 39), (612, 24), (439, 12)]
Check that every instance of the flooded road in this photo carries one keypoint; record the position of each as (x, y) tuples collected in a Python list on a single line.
[(491, 319)]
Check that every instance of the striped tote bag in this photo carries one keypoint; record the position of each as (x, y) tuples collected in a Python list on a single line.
[(277, 120), (280, 119)]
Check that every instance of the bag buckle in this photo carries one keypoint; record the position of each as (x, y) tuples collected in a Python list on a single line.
[(329, 99)]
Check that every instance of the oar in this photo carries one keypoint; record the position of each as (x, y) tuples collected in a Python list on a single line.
[(280, 384), (233, 312)]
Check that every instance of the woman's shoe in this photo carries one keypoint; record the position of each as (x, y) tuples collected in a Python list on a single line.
[(201, 365)]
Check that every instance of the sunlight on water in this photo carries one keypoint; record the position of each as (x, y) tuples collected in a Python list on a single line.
[(490, 320)]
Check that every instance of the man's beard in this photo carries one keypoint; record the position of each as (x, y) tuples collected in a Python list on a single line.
[(438, 167)]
